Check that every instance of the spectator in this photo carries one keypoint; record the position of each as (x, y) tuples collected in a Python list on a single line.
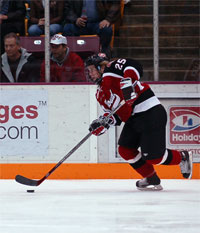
[(17, 65), (87, 17), (3, 8), (12, 20), (37, 20), (65, 66)]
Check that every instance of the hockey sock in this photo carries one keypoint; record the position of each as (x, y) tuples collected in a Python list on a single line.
[(134, 158), (174, 157), (143, 168), (171, 157)]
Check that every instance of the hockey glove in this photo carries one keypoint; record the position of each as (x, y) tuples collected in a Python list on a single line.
[(102, 124), (128, 90)]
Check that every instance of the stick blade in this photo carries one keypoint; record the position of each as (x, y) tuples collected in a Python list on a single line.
[(26, 181)]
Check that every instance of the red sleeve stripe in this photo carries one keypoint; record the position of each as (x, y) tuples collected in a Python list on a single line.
[(112, 75), (130, 71)]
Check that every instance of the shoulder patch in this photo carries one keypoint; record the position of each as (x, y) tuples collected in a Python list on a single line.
[(109, 64)]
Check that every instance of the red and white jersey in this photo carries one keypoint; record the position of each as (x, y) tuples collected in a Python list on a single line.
[(109, 93)]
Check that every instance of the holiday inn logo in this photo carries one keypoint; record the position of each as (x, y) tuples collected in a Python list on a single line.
[(184, 125)]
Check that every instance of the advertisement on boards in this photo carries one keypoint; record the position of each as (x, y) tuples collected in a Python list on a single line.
[(184, 127), (23, 122)]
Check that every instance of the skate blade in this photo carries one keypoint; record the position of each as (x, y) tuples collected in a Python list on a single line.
[(151, 188), (191, 163)]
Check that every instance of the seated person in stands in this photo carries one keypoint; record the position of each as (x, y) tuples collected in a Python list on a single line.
[(87, 17), (11, 19), (65, 66), (17, 65), (3, 9), (37, 14)]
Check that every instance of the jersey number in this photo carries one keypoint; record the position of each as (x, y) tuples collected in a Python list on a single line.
[(120, 63)]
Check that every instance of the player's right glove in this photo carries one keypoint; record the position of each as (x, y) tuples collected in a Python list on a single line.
[(102, 124)]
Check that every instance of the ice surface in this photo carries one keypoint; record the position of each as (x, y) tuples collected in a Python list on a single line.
[(99, 206)]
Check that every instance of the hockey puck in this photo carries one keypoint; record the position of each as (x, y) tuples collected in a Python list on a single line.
[(30, 191)]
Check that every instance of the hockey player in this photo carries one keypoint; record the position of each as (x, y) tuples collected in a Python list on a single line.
[(144, 116)]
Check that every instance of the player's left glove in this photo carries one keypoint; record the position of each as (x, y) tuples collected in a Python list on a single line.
[(102, 124)]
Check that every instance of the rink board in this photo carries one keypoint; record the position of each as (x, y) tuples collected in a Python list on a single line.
[(89, 171), (39, 124)]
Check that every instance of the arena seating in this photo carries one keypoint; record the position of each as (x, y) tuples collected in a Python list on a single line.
[(83, 45), (178, 38)]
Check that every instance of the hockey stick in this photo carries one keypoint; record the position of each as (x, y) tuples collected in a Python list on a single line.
[(26, 181)]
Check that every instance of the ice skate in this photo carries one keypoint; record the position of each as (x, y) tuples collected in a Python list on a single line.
[(149, 184), (186, 164)]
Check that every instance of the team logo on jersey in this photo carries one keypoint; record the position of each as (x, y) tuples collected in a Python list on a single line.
[(185, 125)]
